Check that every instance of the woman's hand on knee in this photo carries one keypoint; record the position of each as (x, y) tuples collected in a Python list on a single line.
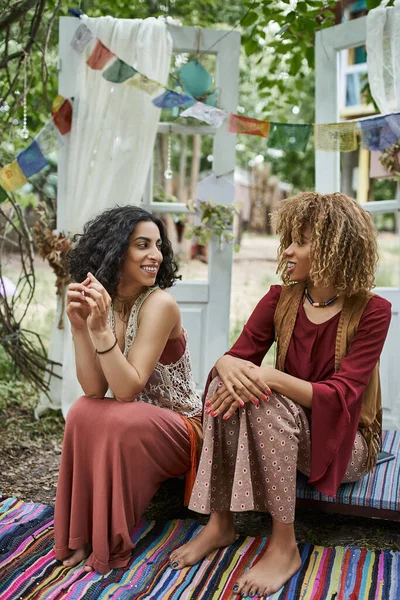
[(223, 403), (242, 379)]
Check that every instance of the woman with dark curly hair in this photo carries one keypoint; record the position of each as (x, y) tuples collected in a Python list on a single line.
[(139, 422), (318, 410)]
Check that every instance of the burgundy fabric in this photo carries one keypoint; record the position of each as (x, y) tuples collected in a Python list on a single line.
[(173, 350), (115, 456), (337, 397)]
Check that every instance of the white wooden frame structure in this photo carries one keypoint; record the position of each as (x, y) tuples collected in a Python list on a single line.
[(205, 305), (329, 43)]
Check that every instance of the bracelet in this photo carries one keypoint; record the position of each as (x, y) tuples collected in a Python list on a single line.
[(109, 349)]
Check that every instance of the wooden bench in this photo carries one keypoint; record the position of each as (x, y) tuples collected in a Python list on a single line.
[(377, 495)]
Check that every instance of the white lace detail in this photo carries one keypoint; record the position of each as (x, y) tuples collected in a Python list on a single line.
[(169, 386)]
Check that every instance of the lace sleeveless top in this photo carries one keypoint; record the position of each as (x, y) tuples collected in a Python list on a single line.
[(170, 385)]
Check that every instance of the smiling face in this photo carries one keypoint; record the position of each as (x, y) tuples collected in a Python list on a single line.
[(142, 259), (297, 256)]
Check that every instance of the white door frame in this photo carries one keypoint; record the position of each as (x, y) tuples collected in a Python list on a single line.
[(328, 44)]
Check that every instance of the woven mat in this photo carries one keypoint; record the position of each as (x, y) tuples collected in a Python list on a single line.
[(28, 569)]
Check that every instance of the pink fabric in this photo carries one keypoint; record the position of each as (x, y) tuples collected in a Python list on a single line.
[(249, 461), (115, 456), (337, 397)]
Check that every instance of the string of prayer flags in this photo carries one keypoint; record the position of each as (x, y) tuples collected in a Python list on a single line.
[(99, 56), (289, 136), (171, 99), (57, 103), (63, 117), (393, 120), (209, 114), (82, 37), (376, 134), (31, 160), (239, 124), (335, 137), (119, 71), (49, 138), (11, 177), (141, 82)]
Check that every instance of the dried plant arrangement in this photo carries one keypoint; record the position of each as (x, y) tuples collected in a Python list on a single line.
[(24, 346)]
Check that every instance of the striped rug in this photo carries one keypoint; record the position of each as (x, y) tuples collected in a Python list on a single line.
[(379, 489), (28, 569)]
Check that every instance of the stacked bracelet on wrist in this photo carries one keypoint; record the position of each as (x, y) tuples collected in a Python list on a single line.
[(108, 349)]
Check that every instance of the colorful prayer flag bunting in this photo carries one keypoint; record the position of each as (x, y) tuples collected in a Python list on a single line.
[(376, 134), (394, 123), (49, 138), (335, 137), (211, 115), (11, 177), (31, 160), (289, 136), (239, 124), (99, 56), (63, 117), (119, 71), (141, 82), (82, 37), (170, 99), (57, 103)]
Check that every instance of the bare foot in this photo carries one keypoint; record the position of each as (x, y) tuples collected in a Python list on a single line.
[(218, 533), (273, 570), (88, 569), (77, 556)]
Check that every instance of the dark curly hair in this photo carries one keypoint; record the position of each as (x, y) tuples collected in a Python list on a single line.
[(101, 248)]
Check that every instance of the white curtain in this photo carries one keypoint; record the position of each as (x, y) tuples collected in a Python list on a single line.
[(383, 56), (108, 153)]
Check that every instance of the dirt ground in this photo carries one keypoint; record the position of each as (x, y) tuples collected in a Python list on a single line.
[(30, 450)]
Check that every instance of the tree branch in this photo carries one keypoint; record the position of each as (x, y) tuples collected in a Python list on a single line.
[(15, 15)]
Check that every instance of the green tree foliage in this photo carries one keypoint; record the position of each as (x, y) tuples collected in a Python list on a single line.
[(276, 65), (282, 32)]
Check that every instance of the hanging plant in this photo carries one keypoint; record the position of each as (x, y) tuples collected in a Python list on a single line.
[(214, 219), (390, 160)]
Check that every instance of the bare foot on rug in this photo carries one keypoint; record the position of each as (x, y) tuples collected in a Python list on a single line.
[(218, 533), (88, 569), (77, 556), (273, 570)]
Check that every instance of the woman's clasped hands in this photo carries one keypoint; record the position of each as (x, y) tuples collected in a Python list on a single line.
[(241, 382), (88, 304)]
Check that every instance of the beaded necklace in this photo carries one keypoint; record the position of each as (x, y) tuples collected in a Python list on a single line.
[(320, 304)]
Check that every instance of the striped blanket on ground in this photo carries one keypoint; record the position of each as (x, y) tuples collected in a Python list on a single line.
[(29, 571), (379, 489)]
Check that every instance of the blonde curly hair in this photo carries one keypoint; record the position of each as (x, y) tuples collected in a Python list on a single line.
[(343, 240)]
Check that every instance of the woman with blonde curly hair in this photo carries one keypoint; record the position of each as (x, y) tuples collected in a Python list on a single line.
[(318, 410)]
